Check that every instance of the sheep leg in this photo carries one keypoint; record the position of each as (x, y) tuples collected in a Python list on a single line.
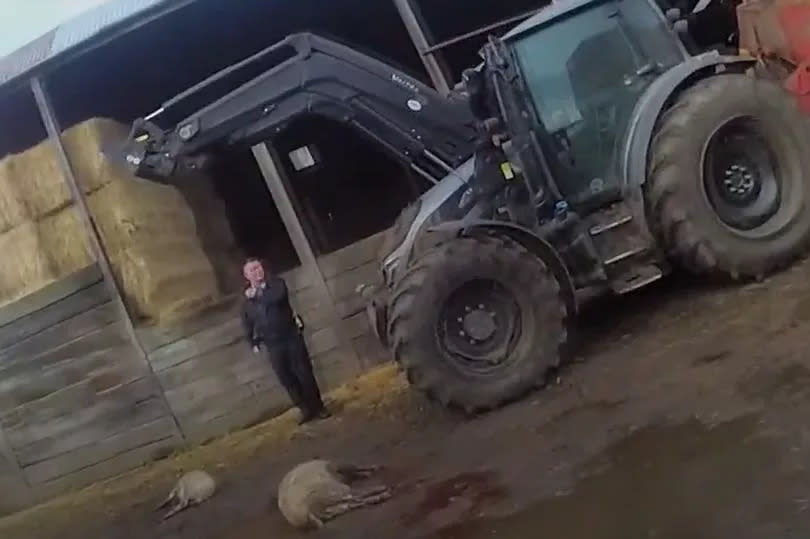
[(353, 472), (371, 495), (179, 506), (170, 498), (356, 500)]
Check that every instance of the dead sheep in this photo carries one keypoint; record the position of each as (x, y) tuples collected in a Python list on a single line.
[(191, 489), (318, 490)]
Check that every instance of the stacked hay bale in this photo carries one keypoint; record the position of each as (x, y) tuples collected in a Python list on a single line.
[(148, 230)]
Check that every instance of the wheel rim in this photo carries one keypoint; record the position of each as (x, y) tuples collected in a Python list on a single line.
[(479, 326), (741, 176)]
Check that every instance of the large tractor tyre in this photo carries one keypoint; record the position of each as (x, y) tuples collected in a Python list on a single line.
[(729, 175), (477, 322)]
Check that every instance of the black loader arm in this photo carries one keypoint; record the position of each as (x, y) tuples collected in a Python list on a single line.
[(428, 132)]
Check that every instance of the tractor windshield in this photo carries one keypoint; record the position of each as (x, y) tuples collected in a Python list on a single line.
[(585, 72)]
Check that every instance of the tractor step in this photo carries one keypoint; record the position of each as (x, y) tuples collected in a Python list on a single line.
[(637, 278), (624, 255), (628, 256), (605, 227)]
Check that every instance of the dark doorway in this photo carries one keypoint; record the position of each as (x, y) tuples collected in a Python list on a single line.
[(256, 224), (350, 188)]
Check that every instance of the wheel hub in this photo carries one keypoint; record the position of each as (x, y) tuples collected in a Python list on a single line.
[(741, 183), (741, 175), (479, 324)]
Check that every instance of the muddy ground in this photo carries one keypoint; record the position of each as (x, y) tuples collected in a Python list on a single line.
[(685, 414)]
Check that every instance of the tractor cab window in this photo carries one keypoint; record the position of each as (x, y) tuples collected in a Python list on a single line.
[(585, 73)]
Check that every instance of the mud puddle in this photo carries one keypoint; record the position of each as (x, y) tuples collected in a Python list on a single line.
[(687, 480)]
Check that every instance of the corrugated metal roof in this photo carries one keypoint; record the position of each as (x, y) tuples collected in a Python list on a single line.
[(80, 31)]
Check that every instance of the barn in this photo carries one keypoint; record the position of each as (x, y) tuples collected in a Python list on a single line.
[(120, 339)]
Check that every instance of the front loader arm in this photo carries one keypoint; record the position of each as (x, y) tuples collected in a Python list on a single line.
[(430, 133)]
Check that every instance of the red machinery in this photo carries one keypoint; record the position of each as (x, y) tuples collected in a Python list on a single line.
[(778, 32)]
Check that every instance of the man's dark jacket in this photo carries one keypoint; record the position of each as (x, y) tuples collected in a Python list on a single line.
[(267, 316)]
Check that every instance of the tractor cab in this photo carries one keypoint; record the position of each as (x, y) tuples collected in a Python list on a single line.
[(584, 66)]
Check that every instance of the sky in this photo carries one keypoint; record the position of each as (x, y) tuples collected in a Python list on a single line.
[(22, 21)]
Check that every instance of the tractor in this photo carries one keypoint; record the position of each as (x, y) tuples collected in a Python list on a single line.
[(593, 149)]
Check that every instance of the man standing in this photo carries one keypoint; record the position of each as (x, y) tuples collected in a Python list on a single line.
[(268, 320)]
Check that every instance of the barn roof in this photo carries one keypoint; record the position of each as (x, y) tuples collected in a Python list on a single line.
[(82, 33)]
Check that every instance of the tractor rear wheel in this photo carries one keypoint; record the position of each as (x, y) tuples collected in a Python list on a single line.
[(477, 321), (729, 180)]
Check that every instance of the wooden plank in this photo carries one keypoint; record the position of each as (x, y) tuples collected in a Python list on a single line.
[(370, 351), (298, 279), (85, 456), (154, 337), (61, 415), (344, 354), (352, 256), (105, 368), (63, 309), (93, 431), (356, 325), (188, 396), (266, 384), (350, 306), (323, 340), (72, 397), (179, 351), (62, 333), (214, 383), (88, 428), (108, 468), (213, 406), (99, 341), (217, 362), (310, 299), (251, 411), (334, 373), (315, 319), (49, 294), (346, 283)]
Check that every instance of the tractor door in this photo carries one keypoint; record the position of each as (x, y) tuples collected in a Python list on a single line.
[(584, 72)]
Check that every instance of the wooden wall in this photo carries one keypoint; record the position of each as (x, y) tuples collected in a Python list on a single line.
[(214, 382), (79, 402)]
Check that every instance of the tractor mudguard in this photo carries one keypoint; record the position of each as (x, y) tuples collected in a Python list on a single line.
[(525, 237), (653, 103)]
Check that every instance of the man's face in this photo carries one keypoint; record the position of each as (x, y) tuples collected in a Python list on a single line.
[(254, 272)]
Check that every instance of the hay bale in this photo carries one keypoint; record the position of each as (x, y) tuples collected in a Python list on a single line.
[(213, 229), (134, 211), (64, 242), (166, 281), (13, 210), (86, 145), (24, 266), (37, 179)]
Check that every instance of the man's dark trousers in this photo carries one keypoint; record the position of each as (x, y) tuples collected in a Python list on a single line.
[(291, 363)]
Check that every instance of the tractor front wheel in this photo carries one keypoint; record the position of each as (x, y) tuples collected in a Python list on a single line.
[(477, 322)]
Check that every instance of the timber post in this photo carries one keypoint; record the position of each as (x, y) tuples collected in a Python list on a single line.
[(92, 234), (274, 179)]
